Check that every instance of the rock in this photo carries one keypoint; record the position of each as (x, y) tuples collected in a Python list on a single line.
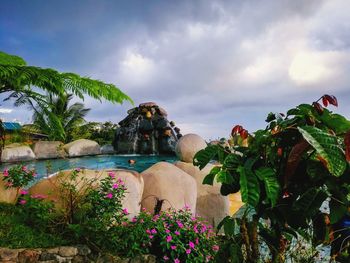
[(7, 195), (46, 256), (79, 259), (15, 153), (188, 146), (82, 147), (48, 149), (107, 149), (235, 202), (167, 182), (7, 254), (29, 256), (50, 187), (211, 205), (145, 131), (83, 250), (68, 251)]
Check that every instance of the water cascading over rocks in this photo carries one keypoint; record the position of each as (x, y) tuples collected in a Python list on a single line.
[(146, 130)]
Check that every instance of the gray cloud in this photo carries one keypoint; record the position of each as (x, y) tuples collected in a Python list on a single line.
[(211, 64)]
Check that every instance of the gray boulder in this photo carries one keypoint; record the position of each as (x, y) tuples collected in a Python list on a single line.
[(17, 153), (82, 147), (48, 149)]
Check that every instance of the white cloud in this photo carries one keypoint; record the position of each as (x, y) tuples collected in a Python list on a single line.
[(5, 110)]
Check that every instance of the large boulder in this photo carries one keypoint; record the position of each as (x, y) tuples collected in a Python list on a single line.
[(17, 153), (107, 149), (52, 185), (188, 146), (7, 195), (48, 149), (164, 181), (211, 205), (82, 147)]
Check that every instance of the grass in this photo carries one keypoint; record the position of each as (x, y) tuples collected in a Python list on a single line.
[(15, 234)]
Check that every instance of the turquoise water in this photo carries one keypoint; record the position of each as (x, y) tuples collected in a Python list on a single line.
[(94, 162)]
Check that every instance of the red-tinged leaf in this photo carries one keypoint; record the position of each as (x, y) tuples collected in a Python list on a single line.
[(347, 146), (237, 129), (294, 158), (323, 161), (244, 134), (318, 107), (324, 101), (332, 100), (279, 151)]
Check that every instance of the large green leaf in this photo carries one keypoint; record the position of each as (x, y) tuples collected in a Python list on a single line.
[(250, 188), (337, 211), (232, 161), (224, 177), (310, 202), (336, 122), (327, 147), (209, 179), (203, 157), (272, 187)]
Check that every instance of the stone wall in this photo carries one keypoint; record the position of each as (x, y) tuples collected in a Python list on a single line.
[(65, 254)]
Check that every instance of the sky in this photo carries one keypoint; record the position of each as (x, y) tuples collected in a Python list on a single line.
[(211, 64)]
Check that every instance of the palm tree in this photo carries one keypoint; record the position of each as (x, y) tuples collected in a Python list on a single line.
[(57, 118), (18, 78)]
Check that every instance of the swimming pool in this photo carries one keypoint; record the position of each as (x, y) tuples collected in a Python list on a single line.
[(45, 167)]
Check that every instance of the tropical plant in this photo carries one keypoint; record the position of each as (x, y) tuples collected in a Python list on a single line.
[(286, 172), (56, 118), (18, 78)]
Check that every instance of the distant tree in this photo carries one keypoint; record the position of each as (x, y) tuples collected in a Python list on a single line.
[(57, 118)]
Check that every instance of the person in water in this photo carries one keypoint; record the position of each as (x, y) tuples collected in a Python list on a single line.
[(131, 162)]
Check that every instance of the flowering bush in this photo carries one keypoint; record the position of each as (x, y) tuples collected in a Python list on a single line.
[(18, 176), (173, 236), (34, 211)]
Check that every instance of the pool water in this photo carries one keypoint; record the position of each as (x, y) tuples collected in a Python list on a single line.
[(46, 167)]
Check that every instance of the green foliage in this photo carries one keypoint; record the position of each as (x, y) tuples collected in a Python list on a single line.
[(285, 173), (15, 233), (16, 76), (17, 176), (56, 117)]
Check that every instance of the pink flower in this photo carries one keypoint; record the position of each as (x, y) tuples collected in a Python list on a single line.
[(125, 211), (188, 251), (169, 238), (177, 260), (24, 192), (177, 233), (215, 248), (6, 173), (148, 231), (197, 241), (153, 231), (77, 170), (141, 221), (191, 244), (167, 231), (109, 195), (134, 220), (179, 224), (187, 207), (166, 258), (111, 174), (38, 196), (195, 228), (120, 181), (9, 184), (150, 236), (24, 168), (115, 186), (22, 202), (124, 223), (173, 247)]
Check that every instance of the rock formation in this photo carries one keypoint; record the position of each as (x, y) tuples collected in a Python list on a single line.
[(146, 130)]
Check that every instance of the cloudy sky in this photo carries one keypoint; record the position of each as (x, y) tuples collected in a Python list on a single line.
[(210, 64)]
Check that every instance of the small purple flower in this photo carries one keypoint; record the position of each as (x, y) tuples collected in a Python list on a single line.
[(111, 174), (215, 248), (173, 247), (24, 192), (191, 244), (167, 231), (115, 186), (188, 251), (179, 224), (177, 260), (125, 211), (166, 258), (150, 236), (22, 202), (153, 231), (177, 233), (6, 173)]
